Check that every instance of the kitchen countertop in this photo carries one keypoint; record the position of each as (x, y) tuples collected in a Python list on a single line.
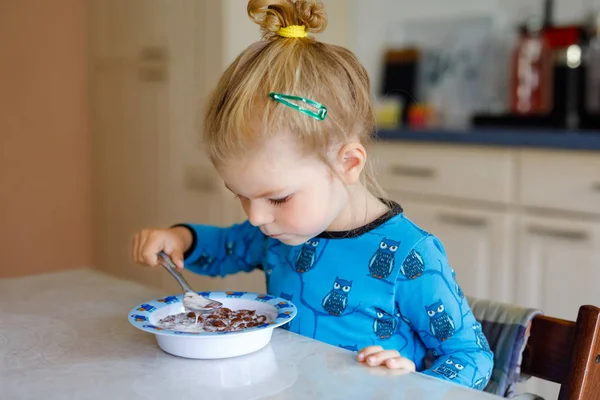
[(66, 336), (548, 139)]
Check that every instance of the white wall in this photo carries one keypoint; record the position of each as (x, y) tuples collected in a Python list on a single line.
[(371, 20)]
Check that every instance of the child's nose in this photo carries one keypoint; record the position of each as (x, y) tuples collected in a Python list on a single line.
[(259, 215)]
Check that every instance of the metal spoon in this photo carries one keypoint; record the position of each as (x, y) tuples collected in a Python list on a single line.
[(192, 301)]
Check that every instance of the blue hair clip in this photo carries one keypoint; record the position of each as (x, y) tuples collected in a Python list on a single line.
[(284, 99)]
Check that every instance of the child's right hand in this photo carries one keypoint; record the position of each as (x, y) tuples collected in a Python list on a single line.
[(147, 243)]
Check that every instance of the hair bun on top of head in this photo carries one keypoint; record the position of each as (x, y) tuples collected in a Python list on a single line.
[(272, 15)]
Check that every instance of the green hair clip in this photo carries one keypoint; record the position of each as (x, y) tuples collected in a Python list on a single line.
[(320, 114)]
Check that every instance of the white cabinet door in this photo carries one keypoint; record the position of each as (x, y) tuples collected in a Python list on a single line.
[(478, 243), (558, 271), (559, 264), (128, 99)]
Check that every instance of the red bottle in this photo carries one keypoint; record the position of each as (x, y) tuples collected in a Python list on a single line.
[(532, 70), (592, 56)]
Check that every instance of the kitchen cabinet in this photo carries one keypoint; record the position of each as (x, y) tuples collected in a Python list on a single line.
[(558, 264), (528, 235), (151, 65), (519, 226), (558, 270), (478, 243), (127, 99)]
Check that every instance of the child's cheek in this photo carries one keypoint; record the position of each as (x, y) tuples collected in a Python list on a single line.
[(304, 217)]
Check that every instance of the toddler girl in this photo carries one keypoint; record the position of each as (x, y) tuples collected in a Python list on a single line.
[(286, 129)]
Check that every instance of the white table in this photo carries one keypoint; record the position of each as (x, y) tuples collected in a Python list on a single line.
[(66, 336)]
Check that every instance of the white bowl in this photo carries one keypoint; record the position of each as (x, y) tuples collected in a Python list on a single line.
[(214, 345)]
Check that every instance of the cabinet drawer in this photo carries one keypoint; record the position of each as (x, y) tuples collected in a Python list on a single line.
[(561, 180), (472, 173)]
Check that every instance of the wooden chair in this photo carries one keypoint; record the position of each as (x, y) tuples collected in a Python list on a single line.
[(567, 353)]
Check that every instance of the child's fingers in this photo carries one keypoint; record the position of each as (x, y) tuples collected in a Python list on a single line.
[(175, 253), (381, 357), (400, 363), (177, 259), (364, 353), (153, 245), (134, 247), (143, 238)]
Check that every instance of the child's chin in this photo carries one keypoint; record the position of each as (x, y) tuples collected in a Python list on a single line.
[(292, 241)]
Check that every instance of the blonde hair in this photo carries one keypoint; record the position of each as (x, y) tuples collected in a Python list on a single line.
[(240, 113)]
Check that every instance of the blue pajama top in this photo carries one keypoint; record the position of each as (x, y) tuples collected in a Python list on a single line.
[(388, 283)]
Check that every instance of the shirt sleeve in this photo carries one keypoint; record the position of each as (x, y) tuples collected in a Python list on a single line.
[(430, 300), (217, 251)]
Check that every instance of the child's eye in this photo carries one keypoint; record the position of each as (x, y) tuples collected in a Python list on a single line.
[(278, 202)]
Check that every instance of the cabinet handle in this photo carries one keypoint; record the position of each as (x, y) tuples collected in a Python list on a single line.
[(152, 74), (462, 220), (565, 234), (153, 53), (412, 171)]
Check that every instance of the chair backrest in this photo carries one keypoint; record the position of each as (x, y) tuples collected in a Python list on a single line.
[(567, 353)]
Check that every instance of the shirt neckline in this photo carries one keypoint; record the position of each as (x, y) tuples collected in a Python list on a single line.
[(394, 209)]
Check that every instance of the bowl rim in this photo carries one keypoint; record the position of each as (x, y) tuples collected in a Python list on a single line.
[(139, 316)]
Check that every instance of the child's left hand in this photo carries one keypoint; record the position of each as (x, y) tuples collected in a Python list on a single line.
[(374, 356)]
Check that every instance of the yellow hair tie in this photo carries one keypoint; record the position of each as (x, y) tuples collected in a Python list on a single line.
[(292, 31)]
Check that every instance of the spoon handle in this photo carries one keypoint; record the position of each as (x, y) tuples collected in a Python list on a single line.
[(167, 263)]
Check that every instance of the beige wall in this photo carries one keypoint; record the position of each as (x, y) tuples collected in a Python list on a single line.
[(45, 193)]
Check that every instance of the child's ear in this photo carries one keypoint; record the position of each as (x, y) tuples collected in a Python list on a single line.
[(351, 159)]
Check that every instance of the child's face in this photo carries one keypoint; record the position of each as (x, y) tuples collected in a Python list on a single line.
[(290, 197)]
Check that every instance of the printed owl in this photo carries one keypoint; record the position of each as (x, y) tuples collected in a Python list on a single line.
[(384, 324), (482, 341), (440, 322), (451, 368), (230, 248), (268, 271), (307, 256), (204, 261), (287, 297), (383, 260), (336, 301), (413, 266)]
